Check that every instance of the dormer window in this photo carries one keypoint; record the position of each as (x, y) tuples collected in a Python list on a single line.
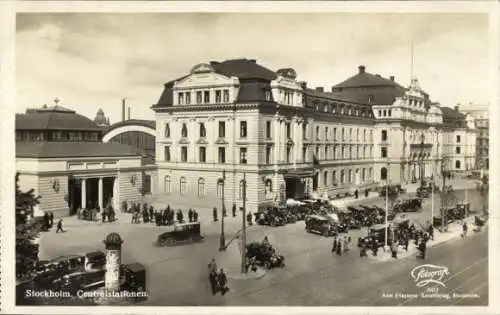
[(167, 130), (184, 131), (180, 98)]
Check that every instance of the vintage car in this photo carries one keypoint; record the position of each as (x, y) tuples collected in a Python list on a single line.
[(423, 192), (437, 221), (285, 212), (318, 224), (408, 205), (270, 216), (347, 220), (300, 211), (391, 189), (376, 234), (81, 280), (183, 233), (265, 255)]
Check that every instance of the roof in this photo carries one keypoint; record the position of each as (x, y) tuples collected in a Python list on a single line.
[(253, 78), (133, 122), (451, 114), (376, 89), (54, 118), (56, 149)]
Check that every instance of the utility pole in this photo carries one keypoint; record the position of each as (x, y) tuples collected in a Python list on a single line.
[(444, 215), (222, 243), (244, 225)]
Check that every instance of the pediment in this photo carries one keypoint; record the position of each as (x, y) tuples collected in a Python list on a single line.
[(196, 80), (184, 141), (221, 141), (202, 141)]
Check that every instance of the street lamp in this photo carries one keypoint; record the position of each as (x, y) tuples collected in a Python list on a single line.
[(222, 241), (444, 219)]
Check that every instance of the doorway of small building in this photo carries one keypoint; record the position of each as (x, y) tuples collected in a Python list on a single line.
[(74, 195), (92, 190), (107, 191), (291, 187)]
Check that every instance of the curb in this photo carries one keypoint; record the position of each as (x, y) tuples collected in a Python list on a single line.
[(260, 273)]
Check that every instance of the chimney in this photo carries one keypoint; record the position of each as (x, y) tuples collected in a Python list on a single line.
[(123, 109), (320, 89), (361, 69), (392, 78), (457, 107), (129, 113)]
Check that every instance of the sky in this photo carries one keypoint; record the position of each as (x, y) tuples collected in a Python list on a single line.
[(93, 60)]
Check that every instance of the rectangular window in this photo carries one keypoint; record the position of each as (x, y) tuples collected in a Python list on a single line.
[(188, 98), (203, 130), (218, 96), (343, 134), (384, 152), (326, 152), (222, 129), (304, 131), (206, 96), (268, 155), (457, 150), (243, 155), (225, 95), (243, 129), (317, 152), (384, 135), (267, 95), (222, 155), (184, 154), (458, 139), (268, 129), (288, 131), (326, 133), (334, 177), (167, 154), (317, 132), (288, 154), (203, 154), (199, 97), (180, 98), (304, 154)]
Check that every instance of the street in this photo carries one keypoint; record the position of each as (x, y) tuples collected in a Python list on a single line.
[(313, 276)]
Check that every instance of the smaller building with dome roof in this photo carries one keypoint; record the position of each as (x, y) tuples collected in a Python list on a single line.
[(60, 154)]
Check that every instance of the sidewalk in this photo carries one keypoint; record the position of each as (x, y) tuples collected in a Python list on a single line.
[(454, 232)]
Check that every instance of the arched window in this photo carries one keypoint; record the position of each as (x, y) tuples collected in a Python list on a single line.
[(201, 187), (383, 173), (167, 184), (184, 131), (457, 164), (342, 176), (350, 176), (325, 178), (242, 189), (167, 130), (363, 174), (268, 188), (220, 187), (203, 131), (334, 177), (182, 186)]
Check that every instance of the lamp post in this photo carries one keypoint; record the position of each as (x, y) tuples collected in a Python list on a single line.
[(422, 173), (444, 219), (222, 241), (244, 225)]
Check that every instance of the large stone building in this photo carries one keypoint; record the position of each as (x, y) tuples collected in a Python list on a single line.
[(239, 119), (60, 155), (480, 113)]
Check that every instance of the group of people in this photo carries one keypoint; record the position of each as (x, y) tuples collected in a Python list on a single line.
[(341, 244), (48, 222), (217, 279), (168, 216)]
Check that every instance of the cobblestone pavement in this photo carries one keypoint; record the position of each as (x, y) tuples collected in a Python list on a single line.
[(177, 275)]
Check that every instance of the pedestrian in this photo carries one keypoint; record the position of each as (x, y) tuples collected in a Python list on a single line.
[(46, 221), (356, 194), (345, 244), (366, 193), (179, 216), (195, 216), (394, 249), (234, 210), (249, 218), (374, 248), (334, 245), (51, 219), (464, 228), (212, 277), (406, 242), (190, 215), (222, 280), (212, 266), (362, 252), (59, 226), (431, 232), (152, 214), (214, 213), (339, 248)]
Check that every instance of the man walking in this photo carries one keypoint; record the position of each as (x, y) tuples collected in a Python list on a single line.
[(334, 246), (234, 210), (214, 213), (59, 226), (222, 279), (464, 228), (195, 216), (190, 215)]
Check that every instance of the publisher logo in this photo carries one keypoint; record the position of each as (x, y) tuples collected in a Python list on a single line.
[(429, 274)]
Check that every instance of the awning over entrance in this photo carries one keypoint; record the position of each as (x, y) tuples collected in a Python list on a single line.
[(297, 174)]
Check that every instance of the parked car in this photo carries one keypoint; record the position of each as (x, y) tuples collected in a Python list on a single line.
[(423, 192), (81, 280), (376, 234), (320, 225), (265, 255), (183, 233), (270, 216)]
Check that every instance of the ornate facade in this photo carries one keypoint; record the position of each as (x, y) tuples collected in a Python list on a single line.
[(228, 120)]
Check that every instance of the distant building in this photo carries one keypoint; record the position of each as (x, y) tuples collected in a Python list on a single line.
[(480, 113), (100, 119), (60, 155)]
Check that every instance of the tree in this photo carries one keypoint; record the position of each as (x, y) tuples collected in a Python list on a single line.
[(26, 232)]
